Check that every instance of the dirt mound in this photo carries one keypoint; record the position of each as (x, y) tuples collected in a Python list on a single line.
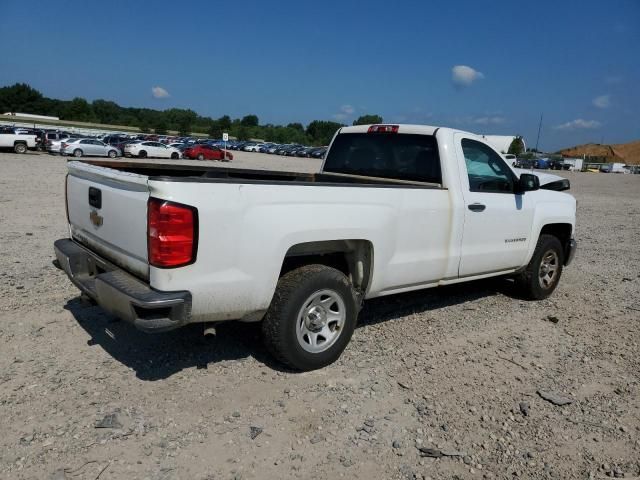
[(628, 153)]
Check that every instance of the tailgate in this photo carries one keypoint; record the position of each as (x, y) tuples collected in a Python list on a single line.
[(108, 214)]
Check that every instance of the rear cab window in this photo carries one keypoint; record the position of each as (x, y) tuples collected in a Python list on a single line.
[(397, 156)]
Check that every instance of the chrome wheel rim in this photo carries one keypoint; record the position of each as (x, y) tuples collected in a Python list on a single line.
[(548, 270), (320, 321)]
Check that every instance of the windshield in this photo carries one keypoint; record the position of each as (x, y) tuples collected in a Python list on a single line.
[(397, 156)]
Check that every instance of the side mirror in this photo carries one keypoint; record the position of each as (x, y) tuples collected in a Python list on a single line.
[(527, 183)]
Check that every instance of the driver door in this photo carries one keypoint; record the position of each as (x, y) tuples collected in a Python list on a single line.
[(497, 222)]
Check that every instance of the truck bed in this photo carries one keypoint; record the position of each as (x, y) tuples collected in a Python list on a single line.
[(213, 174)]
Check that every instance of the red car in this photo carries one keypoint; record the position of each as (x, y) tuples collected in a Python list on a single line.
[(206, 152)]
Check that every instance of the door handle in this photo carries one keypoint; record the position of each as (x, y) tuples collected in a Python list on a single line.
[(477, 207)]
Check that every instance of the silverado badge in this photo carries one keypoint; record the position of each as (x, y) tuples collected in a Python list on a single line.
[(95, 218)]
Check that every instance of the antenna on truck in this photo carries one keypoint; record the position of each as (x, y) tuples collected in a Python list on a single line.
[(539, 128)]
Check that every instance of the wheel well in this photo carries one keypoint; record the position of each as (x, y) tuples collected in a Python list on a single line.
[(560, 230), (20, 142), (354, 258)]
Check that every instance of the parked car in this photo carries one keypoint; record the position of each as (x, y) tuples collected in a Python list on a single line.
[(542, 164), (319, 152), (55, 146), (525, 163), (199, 244), (151, 150), (252, 147), (615, 167), (88, 147), (207, 152), (265, 147), (18, 142)]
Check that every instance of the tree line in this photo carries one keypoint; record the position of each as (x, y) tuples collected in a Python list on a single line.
[(22, 98)]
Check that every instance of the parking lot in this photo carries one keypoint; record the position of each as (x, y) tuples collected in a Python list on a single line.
[(455, 369)]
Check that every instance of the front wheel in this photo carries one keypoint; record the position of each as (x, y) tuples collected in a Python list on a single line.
[(200, 156), (112, 154), (311, 317), (175, 156), (542, 275), (142, 154)]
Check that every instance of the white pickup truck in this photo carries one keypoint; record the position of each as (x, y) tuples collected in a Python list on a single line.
[(394, 208), (18, 142)]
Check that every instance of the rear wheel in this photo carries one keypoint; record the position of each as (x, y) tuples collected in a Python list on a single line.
[(20, 148), (311, 317), (542, 275), (200, 156), (112, 154), (77, 152), (142, 154)]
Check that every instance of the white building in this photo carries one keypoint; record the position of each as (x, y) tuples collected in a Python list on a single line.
[(29, 115)]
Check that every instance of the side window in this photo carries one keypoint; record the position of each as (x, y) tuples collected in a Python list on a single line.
[(85, 142), (487, 171)]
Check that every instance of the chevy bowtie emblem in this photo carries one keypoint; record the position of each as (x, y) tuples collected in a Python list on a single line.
[(95, 218)]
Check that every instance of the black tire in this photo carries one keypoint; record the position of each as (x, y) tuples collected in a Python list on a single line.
[(200, 156), (20, 148), (531, 282), (112, 154), (280, 324), (142, 154), (77, 152), (175, 156)]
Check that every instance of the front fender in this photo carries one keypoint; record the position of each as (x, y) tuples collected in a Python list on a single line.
[(553, 208)]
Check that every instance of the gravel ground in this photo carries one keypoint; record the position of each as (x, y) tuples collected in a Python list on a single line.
[(444, 383)]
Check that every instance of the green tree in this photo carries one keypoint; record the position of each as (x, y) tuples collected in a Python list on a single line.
[(249, 121), (368, 119), (79, 109), (296, 126), (225, 123), (214, 130), (517, 146), (160, 127), (242, 132), (144, 126), (107, 112), (320, 132), (21, 98)]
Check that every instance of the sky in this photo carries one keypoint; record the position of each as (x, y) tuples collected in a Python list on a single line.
[(486, 67)]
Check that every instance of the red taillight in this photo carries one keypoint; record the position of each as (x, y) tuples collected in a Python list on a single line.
[(172, 233), (383, 129)]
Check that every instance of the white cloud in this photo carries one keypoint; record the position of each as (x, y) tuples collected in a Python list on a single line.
[(495, 120), (579, 124), (159, 92), (485, 120), (464, 76), (603, 101), (347, 109), (345, 112)]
